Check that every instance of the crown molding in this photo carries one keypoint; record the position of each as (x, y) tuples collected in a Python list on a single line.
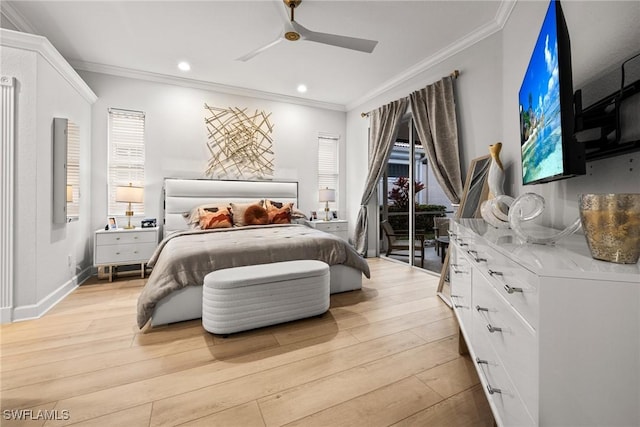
[(502, 14), (44, 48), (200, 84), (504, 11), (16, 18)]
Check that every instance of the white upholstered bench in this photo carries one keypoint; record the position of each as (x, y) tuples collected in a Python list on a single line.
[(242, 298)]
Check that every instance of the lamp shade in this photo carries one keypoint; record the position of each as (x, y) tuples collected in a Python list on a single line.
[(129, 194), (69, 193), (327, 195)]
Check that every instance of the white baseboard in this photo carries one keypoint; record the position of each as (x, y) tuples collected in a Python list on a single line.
[(5, 314), (34, 311)]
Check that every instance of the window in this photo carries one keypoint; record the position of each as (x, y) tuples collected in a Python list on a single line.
[(126, 156), (328, 176), (73, 170)]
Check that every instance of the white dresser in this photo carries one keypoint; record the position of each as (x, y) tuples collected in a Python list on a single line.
[(554, 334), (124, 247), (338, 227)]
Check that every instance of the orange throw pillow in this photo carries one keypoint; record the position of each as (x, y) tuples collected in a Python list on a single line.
[(280, 215), (215, 218), (256, 215)]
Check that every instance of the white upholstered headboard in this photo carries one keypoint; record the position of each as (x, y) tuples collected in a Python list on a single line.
[(182, 195)]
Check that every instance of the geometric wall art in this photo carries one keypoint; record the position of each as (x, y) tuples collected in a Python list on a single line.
[(240, 144)]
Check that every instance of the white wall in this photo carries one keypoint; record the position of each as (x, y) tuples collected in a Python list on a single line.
[(49, 259), (176, 137)]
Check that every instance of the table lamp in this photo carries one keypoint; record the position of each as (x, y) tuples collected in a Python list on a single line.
[(129, 194), (327, 195)]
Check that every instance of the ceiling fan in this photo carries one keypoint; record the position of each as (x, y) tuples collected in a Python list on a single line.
[(294, 31)]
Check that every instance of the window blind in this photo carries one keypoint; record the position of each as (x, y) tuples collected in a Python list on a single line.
[(73, 170), (126, 156), (328, 175)]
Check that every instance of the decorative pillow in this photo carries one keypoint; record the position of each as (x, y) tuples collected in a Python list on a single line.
[(192, 217), (238, 209), (215, 218), (271, 204), (293, 214), (256, 215), (297, 214), (280, 215)]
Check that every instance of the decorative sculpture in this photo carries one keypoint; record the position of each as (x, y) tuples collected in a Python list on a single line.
[(240, 144), (495, 209), (502, 211)]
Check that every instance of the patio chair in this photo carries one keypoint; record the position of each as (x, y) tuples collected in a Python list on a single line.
[(393, 243), (441, 229)]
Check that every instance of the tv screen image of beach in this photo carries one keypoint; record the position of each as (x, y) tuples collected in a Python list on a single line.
[(540, 117)]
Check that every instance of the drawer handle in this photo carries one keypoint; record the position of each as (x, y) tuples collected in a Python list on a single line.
[(476, 258), (511, 289), (458, 305), (462, 244), (117, 253), (454, 267), (490, 327), (135, 252), (490, 389), (117, 238), (452, 234), (495, 273), (493, 329), (135, 237)]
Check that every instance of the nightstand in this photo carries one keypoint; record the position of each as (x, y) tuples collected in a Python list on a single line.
[(124, 247), (338, 227)]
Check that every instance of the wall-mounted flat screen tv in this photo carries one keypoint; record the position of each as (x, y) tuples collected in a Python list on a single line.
[(548, 146)]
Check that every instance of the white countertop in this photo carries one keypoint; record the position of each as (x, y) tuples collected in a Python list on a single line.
[(570, 257)]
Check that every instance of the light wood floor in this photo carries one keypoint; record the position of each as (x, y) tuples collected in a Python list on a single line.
[(386, 355)]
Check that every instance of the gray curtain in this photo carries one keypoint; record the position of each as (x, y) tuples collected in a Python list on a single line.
[(434, 113), (382, 135)]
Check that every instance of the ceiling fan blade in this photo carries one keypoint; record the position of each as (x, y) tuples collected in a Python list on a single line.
[(253, 53), (353, 43)]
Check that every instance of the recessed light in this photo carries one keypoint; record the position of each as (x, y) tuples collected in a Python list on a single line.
[(302, 88), (184, 66)]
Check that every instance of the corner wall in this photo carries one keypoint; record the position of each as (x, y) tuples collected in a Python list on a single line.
[(478, 108), (49, 259), (603, 34)]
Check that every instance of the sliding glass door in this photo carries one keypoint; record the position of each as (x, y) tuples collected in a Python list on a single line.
[(410, 198)]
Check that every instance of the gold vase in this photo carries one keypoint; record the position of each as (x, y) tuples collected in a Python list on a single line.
[(611, 224)]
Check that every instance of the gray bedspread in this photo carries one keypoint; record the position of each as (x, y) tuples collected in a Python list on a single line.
[(184, 258)]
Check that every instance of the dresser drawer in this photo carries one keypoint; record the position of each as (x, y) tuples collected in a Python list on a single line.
[(503, 396), (513, 341), (124, 253), (460, 282), (128, 237), (331, 227), (517, 285)]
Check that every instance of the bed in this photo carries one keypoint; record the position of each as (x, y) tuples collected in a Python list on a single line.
[(173, 292)]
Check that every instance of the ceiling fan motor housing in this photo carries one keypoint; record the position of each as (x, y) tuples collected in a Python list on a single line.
[(291, 36), (292, 3)]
